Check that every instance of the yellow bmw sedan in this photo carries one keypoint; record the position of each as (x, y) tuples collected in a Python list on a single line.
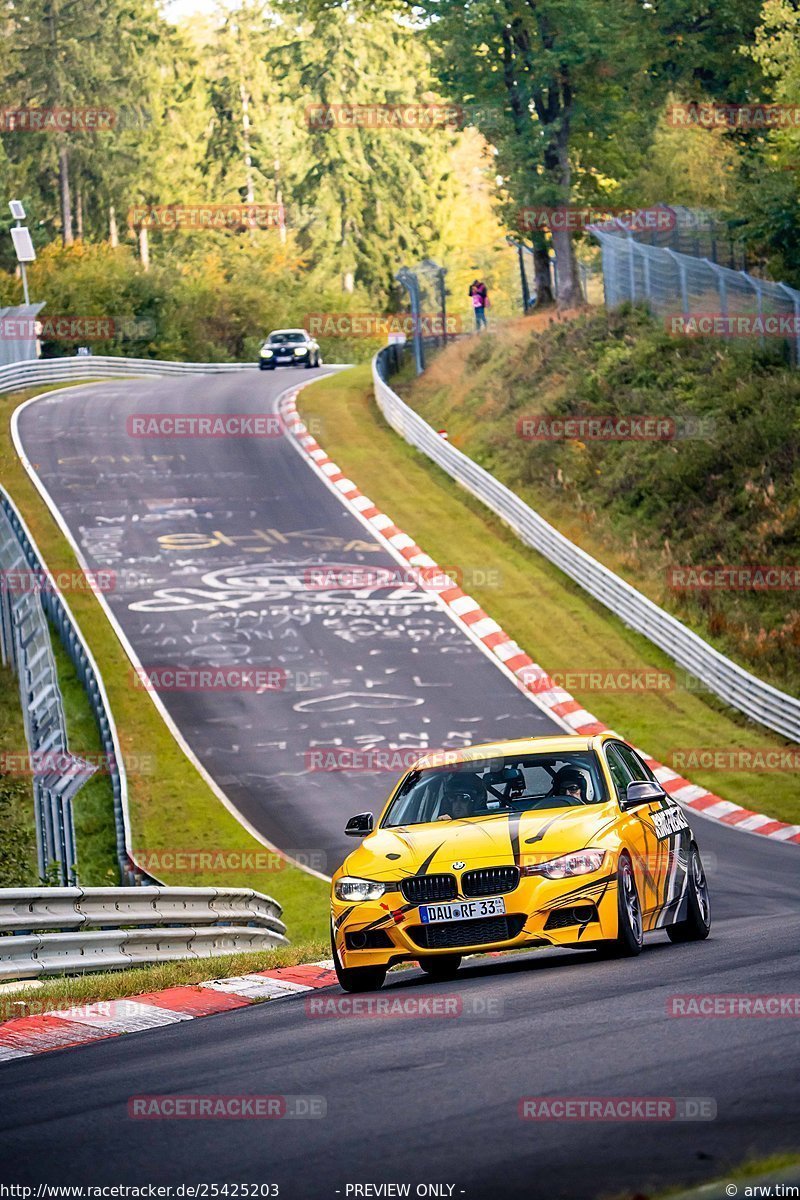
[(559, 841)]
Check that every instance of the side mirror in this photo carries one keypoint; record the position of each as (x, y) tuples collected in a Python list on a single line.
[(360, 825), (641, 793)]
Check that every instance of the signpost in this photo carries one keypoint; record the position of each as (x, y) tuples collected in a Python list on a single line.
[(23, 246)]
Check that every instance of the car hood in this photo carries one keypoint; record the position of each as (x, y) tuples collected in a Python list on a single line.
[(499, 840)]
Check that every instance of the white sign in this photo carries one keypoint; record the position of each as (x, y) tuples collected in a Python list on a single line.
[(23, 245)]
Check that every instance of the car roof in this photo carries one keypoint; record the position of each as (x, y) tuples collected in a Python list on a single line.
[(560, 743), (303, 331)]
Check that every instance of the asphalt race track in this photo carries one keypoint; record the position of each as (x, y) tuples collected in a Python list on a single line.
[(408, 1100), (213, 544)]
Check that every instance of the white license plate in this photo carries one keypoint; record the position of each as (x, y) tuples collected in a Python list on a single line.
[(284, 358), (464, 910)]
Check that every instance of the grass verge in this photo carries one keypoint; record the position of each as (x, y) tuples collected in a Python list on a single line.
[(552, 618), (759, 1175), (114, 985), (172, 807)]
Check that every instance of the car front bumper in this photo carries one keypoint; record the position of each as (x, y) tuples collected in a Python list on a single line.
[(565, 912)]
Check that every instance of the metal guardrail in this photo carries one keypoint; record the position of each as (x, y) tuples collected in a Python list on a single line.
[(62, 370), (752, 696), (22, 612), (25, 647), (58, 931), (67, 370)]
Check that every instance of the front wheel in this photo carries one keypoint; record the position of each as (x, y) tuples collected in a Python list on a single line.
[(357, 979), (697, 925), (441, 967), (630, 929)]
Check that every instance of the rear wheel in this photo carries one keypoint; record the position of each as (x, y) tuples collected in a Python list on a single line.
[(697, 925), (357, 979), (444, 966), (630, 936)]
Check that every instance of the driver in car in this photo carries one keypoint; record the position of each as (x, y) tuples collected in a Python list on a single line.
[(569, 781), (464, 795)]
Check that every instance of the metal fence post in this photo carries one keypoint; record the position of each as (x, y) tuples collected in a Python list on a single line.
[(410, 282), (795, 299), (722, 288), (676, 258), (758, 288), (632, 266)]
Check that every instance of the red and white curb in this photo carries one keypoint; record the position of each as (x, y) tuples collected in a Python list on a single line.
[(22, 1037), (531, 678)]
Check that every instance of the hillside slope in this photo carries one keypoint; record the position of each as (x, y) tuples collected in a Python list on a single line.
[(722, 489)]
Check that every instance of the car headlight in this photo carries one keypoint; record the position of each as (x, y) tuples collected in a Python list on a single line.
[(265, 353), (300, 349), (583, 862), (349, 887)]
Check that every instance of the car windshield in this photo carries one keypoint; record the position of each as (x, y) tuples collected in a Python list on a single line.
[(284, 339), (513, 783)]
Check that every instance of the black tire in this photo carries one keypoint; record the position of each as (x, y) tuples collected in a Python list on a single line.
[(357, 979), (263, 368), (444, 966), (309, 363), (697, 924), (630, 937)]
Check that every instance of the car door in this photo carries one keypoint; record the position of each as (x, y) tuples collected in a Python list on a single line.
[(671, 837), (650, 860)]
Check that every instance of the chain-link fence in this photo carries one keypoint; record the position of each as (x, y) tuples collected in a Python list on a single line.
[(696, 295)]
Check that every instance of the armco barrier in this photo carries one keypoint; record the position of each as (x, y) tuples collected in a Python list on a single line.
[(67, 370), (64, 370), (737, 687), (56, 931), (49, 601)]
